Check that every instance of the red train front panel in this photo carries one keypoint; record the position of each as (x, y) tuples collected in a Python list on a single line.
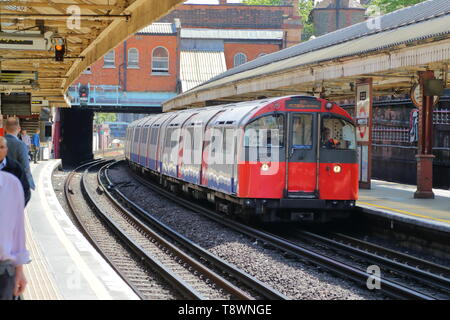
[(315, 143)]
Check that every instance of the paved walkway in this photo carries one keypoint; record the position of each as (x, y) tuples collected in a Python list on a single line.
[(398, 200), (64, 264)]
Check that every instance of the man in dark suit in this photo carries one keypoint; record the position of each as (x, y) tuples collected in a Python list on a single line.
[(13, 167), (18, 150)]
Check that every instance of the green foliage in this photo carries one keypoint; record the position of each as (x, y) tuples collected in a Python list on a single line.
[(304, 10), (387, 6), (105, 117)]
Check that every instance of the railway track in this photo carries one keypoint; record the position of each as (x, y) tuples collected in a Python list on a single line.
[(185, 274), (435, 277), (145, 283), (360, 276)]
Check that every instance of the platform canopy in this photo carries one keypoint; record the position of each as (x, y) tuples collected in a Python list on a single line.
[(390, 49), (30, 30)]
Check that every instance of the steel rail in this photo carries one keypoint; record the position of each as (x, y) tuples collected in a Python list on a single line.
[(440, 269), (202, 255), (179, 284), (390, 288), (394, 264), (68, 193), (223, 283)]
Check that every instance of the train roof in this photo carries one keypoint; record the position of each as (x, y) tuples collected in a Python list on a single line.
[(233, 113)]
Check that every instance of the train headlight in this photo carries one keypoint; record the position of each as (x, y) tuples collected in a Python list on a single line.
[(337, 169), (329, 105), (265, 167)]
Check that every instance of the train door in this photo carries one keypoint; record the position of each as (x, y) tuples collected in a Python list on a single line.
[(301, 156)]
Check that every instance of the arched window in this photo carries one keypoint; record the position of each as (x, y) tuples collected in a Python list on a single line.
[(239, 58), (109, 60), (160, 60), (133, 58)]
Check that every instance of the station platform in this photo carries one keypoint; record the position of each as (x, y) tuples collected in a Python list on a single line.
[(64, 265), (396, 201)]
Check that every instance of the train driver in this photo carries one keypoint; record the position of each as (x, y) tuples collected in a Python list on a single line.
[(327, 141)]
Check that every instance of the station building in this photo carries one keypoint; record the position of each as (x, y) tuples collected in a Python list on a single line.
[(185, 48)]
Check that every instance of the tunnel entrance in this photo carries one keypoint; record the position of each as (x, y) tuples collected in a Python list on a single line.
[(76, 136)]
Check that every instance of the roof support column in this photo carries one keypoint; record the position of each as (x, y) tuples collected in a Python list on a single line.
[(363, 112), (425, 144)]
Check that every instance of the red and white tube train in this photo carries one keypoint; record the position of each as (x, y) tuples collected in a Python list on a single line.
[(279, 159)]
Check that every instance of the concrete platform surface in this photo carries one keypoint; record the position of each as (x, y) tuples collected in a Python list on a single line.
[(64, 264), (397, 200)]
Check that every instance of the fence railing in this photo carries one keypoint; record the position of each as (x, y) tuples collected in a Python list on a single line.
[(388, 133), (112, 95)]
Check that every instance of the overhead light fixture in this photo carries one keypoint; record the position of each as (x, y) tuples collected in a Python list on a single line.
[(60, 48)]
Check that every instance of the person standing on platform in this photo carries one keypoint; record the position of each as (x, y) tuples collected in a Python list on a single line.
[(17, 150), (11, 166), (13, 252), (35, 145), (27, 140)]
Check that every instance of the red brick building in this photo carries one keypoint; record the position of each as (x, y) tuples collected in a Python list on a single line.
[(187, 47), (331, 15), (129, 65)]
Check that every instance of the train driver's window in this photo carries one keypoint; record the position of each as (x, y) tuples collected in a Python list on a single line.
[(302, 131), (337, 134)]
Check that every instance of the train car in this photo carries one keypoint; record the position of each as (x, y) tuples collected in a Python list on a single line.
[(278, 159)]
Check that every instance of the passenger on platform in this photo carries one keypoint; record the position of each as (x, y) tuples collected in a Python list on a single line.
[(35, 145), (26, 139), (17, 150), (13, 167), (13, 252)]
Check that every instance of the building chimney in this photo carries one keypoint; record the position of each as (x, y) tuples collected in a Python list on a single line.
[(222, 2)]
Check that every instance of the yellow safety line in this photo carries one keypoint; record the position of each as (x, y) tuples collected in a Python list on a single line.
[(405, 212)]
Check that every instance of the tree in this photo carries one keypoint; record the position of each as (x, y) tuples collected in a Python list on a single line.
[(387, 6), (304, 9), (105, 117)]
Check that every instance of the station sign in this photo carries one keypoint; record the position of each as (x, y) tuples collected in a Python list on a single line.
[(37, 104), (17, 77), (363, 119), (25, 41), (363, 106)]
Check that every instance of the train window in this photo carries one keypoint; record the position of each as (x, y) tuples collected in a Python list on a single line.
[(337, 133), (154, 136), (144, 135), (302, 131), (266, 131)]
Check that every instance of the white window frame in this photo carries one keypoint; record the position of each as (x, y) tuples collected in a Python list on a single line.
[(133, 64), (108, 62), (160, 71), (239, 55)]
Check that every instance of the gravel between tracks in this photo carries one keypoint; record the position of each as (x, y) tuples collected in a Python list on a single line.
[(295, 279)]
